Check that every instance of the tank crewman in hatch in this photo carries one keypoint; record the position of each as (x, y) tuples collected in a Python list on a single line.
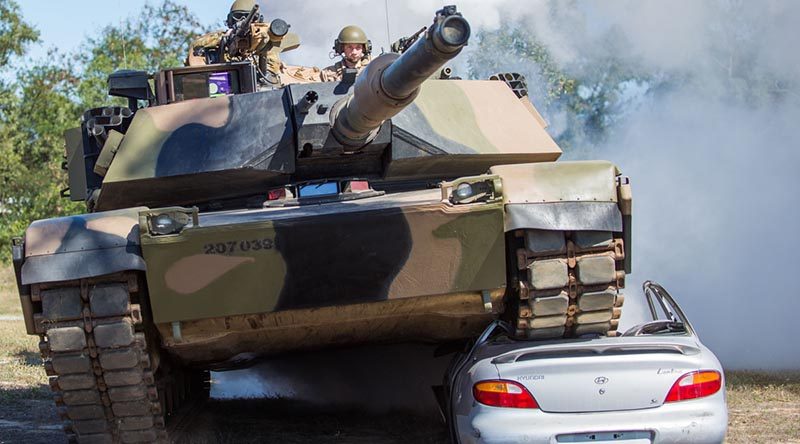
[(355, 49), (256, 41)]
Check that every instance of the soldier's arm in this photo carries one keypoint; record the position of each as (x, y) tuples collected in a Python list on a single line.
[(325, 75), (199, 47)]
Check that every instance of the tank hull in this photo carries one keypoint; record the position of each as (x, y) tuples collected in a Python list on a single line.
[(401, 266)]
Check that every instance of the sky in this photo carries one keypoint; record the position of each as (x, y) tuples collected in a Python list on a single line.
[(66, 24), (714, 177)]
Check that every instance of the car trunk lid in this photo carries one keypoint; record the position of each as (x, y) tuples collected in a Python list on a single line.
[(597, 377)]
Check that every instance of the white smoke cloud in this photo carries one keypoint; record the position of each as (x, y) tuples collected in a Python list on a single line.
[(714, 221), (713, 161)]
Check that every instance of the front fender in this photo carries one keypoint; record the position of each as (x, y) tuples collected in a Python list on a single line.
[(561, 196), (82, 246), (567, 196)]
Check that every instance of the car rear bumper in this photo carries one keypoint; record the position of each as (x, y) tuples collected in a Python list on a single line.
[(696, 421)]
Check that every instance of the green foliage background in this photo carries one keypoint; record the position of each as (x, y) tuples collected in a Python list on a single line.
[(48, 98)]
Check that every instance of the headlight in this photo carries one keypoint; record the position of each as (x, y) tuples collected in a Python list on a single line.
[(464, 191), (467, 190), (168, 220), (165, 224)]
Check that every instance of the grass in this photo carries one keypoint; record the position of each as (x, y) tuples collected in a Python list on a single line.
[(21, 373), (763, 407), (9, 298)]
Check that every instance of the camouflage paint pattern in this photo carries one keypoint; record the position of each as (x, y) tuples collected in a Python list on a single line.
[(243, 137), (564, 196), (582, 181), (75, 247), (279, 259), (490, 119), (188, 151), (138, 155)]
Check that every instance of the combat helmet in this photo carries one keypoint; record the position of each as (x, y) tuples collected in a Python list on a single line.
[(352, 34), (239, 10)]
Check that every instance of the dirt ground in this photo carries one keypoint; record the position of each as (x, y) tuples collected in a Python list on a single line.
[(245, 421), (763, 407), (286, 421)]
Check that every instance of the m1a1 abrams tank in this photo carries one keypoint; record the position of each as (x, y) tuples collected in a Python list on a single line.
[(228, 224)]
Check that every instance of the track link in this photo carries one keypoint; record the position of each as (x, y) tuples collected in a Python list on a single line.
[(106, 385), (569, 283)]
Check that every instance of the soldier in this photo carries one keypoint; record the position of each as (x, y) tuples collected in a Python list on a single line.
[(262, 48), (355, 49), (205, 49), (239, 11)]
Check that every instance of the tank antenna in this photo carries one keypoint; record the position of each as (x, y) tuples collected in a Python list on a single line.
[(386, 9), (124, 54)]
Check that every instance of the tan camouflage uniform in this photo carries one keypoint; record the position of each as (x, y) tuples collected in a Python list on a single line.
[(334, 72), (288, 74), (299, 74), (209, 40)]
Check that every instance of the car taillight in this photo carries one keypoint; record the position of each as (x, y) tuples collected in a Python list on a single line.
[(503, 394), (695, 385)]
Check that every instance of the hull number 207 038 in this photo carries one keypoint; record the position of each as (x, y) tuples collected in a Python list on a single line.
[(244, 246)]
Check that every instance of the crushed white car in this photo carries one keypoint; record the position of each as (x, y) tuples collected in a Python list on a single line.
[(656, 383)]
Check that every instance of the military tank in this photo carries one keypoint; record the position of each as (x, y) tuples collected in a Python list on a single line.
[(228, 224)]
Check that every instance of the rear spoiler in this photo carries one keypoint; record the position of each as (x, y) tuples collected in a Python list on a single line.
[(584, 350)]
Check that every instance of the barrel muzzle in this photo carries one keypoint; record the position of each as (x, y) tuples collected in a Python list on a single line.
[(391, 82), (452, 33)]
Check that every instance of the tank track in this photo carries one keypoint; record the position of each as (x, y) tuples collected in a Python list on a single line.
[(106, 386), (568, 283)]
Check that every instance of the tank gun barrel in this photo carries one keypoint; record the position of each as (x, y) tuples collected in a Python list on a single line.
[(392, 81)]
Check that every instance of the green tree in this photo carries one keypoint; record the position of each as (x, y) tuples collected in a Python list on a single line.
[(33, 147), (48, 98), (514, 46), (15, 36), (158, 37)]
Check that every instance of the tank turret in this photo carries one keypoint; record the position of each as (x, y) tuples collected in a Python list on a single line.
[(392, 81)]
